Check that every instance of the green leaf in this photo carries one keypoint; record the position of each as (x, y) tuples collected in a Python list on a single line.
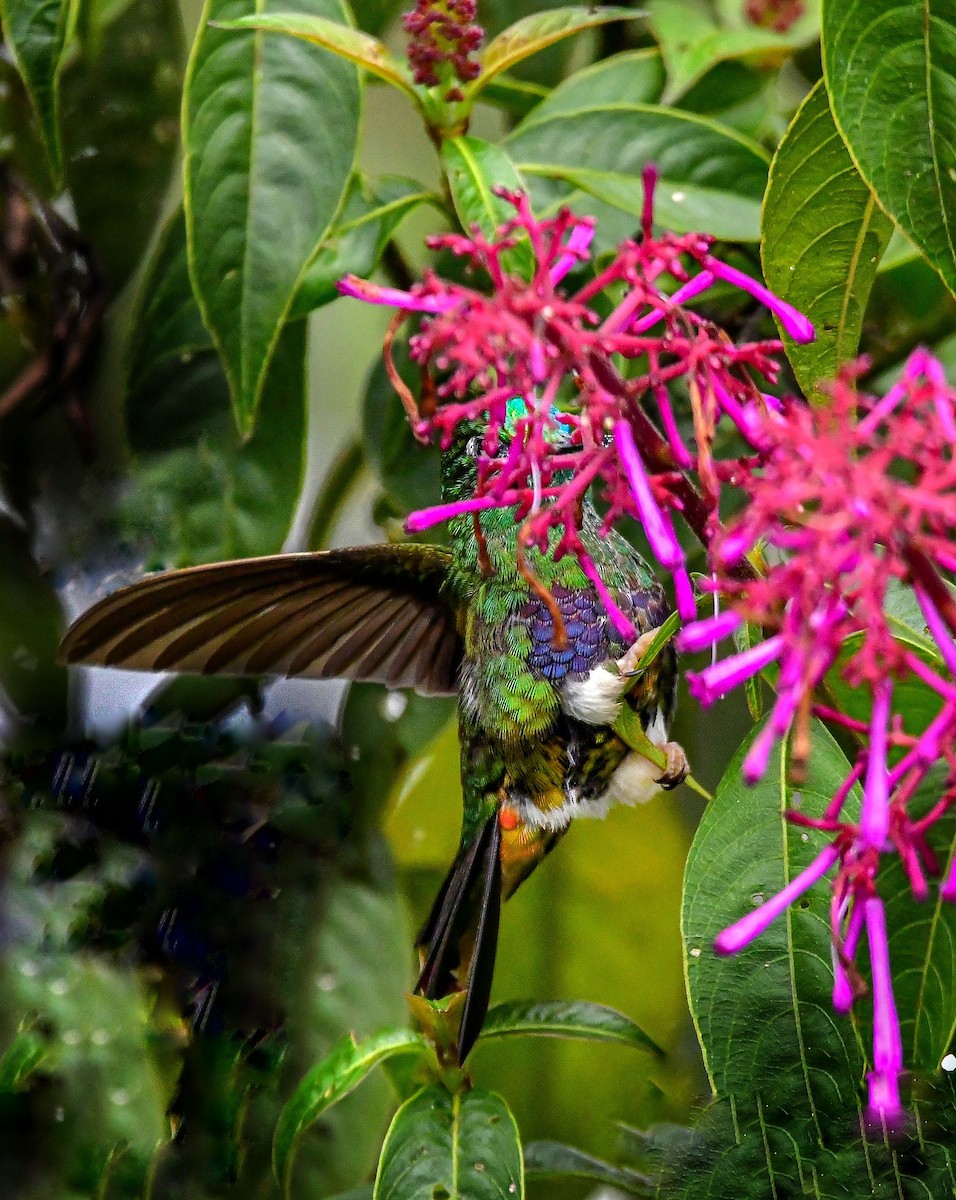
[(352, 45), (121, 152), (202, 493), (635, 77), (37, 32), (473, 168), (568, 1019), (20, 1059), (694, 37), (823, 238), (536, 32), (711, 178), (346, 1065), (33, 686), (554, 1160), (890, 68), (451, 1147), (270, 126), (372, 213), (764, 1015)]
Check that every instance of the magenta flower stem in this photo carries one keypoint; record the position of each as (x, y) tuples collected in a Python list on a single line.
[(795, 323), (875, 813), (887, 1045), (743, 932), (663, 542)]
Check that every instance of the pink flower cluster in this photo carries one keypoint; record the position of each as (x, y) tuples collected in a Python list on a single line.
[(848, 501), (845, 504), (534, 340), (443, 32)]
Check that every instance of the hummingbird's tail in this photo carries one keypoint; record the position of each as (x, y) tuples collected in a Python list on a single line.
[(461, 933)]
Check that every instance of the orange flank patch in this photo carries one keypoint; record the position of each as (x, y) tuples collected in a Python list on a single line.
[(507, 818)]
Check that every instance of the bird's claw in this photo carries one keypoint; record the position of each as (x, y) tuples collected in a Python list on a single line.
[(630, 661), (678, 768)]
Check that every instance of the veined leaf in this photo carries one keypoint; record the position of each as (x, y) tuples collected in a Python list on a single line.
[(454, 1147), (693, 37), (339, 1073), (536, 32), (634, 77), (554, 1160), (373, 211), (764, 1015), (890, 68), (823, 238), (473, 169), (710, 177), (270, 129), (37, 32), (351, 44), (566, 1018)]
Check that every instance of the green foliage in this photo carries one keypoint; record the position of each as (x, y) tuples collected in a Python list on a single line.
[(259, 114), (37, 32), (823, 238), (891, 75)]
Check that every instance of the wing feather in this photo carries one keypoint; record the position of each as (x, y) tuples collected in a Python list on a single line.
[(378, 613)]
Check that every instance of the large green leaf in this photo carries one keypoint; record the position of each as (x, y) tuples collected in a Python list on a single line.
[(202, 493), (270, 130), (634, 77), (451, 1147), (565, 1019), (349, 44), (695, 36), (37, 31), (121, 101), (373, 211), (346, 1065), (711, 178), (535, 32), (823, 237), (764, 1015), (473, 169), (554, 1160), (890, 68)]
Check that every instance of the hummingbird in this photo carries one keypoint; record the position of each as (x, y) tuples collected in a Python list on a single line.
[(540, 674)]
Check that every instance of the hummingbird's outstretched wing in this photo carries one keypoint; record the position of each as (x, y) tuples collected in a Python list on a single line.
[(371, 613)]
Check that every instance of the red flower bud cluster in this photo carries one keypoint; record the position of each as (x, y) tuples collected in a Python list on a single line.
[(443, 32)]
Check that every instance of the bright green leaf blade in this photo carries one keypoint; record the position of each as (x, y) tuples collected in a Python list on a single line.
[(890, 68), (823, 238), (536, 32), (635, 77), (566, 1018), (711, 178), (372, 213), (461, 1147), (20, 1059), (202, 493), (764, 1015), (694, 38), (350, 44), (343, 1069), (270, 132), (473, 169), (554, 1160), (37, 32)]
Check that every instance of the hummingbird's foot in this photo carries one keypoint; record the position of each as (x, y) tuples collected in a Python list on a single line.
[(678, 768), (630, 661)]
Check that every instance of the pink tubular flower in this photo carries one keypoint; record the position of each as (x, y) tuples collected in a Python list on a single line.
[(443, 37), (531, 340)]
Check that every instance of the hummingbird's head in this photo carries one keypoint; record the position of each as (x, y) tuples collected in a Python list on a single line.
[(471, 441)]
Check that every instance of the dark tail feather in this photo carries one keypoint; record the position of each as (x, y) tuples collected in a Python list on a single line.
[(460, 920), (482, 968)]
